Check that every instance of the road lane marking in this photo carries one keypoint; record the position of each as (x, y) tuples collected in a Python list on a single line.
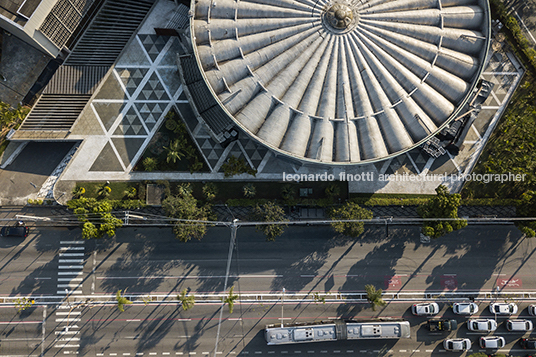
[(71, 267), (70, 272), (350, 351), (68, 320), (402, 351), (67, 313), (72, 254), (165, 353), (72, 248), (429, 350), (126, 354), (70, 261), (66, 346), (66, 332), (63, 292), (72, 242), (70, 279), (133, 320)]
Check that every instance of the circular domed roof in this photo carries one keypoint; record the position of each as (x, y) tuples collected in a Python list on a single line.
[(341, 81)]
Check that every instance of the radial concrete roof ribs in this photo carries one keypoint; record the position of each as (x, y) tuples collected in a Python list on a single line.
[(341, 82)]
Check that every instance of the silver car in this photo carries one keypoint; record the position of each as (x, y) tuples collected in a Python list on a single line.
[(457, 344), (465, 308), (484, 325), (492, 342), (519, 325), (499, 308)]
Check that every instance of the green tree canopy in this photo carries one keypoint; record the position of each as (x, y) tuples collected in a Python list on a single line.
[(349, 211), (270, 212), (187, 301), (374, 296), (121, 301), (185, 206), (230, 299), (96, 217), (443, 205)]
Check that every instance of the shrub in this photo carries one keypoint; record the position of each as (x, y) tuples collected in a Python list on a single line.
[(249, 190), (130, 192), (236, 166), (288, 192), (210, 191), (78, 192), (150, 164)]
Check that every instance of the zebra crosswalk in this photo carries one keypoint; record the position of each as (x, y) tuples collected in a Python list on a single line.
[(70, 267), (71, 259)]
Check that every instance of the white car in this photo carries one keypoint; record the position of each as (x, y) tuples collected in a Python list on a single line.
[(503, 308), (532, 310), (492, 342), (429, 308), (465, 308), (457, 344), (519, 325), (484, 325)]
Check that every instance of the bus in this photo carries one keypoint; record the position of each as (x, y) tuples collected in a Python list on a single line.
[(336, 330)]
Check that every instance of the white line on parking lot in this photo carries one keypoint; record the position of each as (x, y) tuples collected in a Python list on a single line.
[(72, 242)]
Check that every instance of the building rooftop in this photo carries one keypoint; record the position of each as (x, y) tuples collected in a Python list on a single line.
[(341, 81), (19, 11)]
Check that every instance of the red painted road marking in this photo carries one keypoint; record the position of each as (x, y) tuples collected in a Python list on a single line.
[(510, 283), (449, 282), (392, 281)]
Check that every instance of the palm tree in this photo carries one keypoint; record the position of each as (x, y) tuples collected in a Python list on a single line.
[(78, 192), (249, 190), (229, 300), (174, 151), (121, 301), (374, 296), (187, 302)]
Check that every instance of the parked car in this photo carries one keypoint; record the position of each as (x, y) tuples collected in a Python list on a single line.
[(519, 325), (19, 230), (484, 325), (500, 308), (532, 310), (442, 325), (492, 342), (465, 308), (457, 344), (528, 343), (429, 308)]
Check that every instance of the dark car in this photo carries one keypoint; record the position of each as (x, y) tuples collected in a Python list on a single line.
[(16, 231), (528, 343)]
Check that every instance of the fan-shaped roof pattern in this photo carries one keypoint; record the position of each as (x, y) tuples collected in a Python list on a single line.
[(341, 81)]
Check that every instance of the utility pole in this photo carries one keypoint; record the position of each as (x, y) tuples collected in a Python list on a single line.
[(282, 303)]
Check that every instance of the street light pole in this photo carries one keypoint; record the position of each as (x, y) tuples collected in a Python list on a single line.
[(282, 303)]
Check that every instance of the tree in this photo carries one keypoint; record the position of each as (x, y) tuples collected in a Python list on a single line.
[(150, 164), (78, 192), (236, 166), (130, 192), (96, 217), (104, 191), (175, 150), (270, 212), (527, 208), (374, 296), (349, 211), (187, 302), (121, 301), (443, 205), (185, 206), (210, 190), (230, 299), (10, 116), (249, 190)]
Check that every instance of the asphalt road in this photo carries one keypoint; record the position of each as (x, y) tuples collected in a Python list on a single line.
[(308, 259), (305, 259), (167, 330)]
